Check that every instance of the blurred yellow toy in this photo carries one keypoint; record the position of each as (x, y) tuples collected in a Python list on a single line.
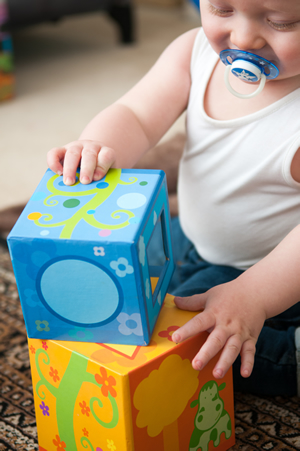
[(6, 58)]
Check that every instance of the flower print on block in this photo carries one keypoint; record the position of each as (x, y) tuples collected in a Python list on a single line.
[(85, 432), (54, 374), (44, 409), (31, 297), (44, 345), (168, 333), (42, 326), (60, 445), (107, 383), (121, 267), (81, 334), (85, 410), (110, 445), (99, 251), (130, 324)]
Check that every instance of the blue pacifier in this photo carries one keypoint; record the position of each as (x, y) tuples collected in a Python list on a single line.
[(247, 67)]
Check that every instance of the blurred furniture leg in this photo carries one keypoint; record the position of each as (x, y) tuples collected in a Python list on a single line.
[(24, 13), (123, 14)]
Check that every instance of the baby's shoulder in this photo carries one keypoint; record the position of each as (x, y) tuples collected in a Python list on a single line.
[(185, 42), (177, 56)]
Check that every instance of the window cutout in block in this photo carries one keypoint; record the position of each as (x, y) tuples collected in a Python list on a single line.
[(158, 255)]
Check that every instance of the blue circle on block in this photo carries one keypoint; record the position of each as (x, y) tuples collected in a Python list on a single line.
[(102, 185), (38, 196), (79, 291), (131, 201), (91, 212)]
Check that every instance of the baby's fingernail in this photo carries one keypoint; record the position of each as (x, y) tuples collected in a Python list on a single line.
[(59, 172), (198, 365), (85, 179), (176, 338), (68, 181), (97, 175), (218, 373)]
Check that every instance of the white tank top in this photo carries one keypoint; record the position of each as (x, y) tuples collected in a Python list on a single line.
[(237, 198)]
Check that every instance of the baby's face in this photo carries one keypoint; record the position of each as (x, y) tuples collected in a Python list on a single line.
[(269, 28)]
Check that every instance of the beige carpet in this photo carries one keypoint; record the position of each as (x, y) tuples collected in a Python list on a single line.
[(65, 74)]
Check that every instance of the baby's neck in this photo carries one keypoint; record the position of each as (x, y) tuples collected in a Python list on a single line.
[(220, 104)]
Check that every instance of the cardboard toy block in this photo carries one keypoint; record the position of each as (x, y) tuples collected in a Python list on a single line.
[(81, 257), (104, 397), (7, 80)]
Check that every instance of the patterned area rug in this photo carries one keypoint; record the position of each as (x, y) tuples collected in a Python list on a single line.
[(261, 423)]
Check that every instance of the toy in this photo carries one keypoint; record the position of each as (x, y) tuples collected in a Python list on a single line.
[(123, 398), (80, 257), (6, 58)]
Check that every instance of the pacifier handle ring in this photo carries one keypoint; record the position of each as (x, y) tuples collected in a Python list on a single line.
[(238, 94)]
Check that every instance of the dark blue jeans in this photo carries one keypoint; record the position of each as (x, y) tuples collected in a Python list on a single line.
[(275, 369)]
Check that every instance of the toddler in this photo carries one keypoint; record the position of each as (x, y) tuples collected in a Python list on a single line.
[(237, 237)]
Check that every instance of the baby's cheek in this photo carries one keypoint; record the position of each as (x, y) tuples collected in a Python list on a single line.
[(215, 38), (288, 55)]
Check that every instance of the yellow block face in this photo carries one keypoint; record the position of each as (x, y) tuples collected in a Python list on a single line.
[(100, 397)]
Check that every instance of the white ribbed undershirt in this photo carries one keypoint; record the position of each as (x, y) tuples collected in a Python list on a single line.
[(237, 198)]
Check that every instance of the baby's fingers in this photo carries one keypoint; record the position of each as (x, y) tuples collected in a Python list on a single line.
[(247, 358), (200, 323), (214, 343), (229, 354), (105, 160), (55, 158), (191, 303), (89, 157), (71, 162)]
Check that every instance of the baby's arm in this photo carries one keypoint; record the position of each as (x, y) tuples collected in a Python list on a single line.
[(234, 313), (119, 135)]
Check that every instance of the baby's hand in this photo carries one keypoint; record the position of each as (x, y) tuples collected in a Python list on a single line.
[(94, 160), (234, 319)]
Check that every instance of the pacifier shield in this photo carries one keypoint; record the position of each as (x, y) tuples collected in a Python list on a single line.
[(231, 57)]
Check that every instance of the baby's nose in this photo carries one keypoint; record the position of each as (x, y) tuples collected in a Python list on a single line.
[(247, 37)]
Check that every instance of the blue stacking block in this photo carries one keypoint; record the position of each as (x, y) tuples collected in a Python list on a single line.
[(82, 257)]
